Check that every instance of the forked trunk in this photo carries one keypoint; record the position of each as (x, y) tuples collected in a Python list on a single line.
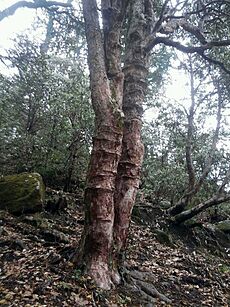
[(109, 197)]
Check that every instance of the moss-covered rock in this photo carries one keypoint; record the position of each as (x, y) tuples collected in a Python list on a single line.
[(22, 193)]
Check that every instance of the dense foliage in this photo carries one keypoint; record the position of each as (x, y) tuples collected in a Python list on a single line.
[(46, 117)]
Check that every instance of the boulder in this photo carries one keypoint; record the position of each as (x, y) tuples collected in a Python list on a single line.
[(22, 193)]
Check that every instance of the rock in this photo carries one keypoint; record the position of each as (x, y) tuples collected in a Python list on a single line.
[(224, 226), (37, 220), (22, 193), (163, 237)]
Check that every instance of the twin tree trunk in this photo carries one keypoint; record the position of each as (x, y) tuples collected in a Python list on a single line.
[(117, 98), (116, 158)]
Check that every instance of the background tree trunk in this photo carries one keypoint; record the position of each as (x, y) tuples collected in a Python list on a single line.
[(196, 186)]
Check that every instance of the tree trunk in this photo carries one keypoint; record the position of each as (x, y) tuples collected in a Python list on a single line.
[(106, 82), (196, 186), (128, 178), (98, 232), (190, 130)]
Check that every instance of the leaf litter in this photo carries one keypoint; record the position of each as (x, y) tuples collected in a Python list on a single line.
[(36, 268)]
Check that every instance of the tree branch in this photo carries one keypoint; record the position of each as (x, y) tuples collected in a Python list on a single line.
[(32, 5), (191, 49), (194, 30), (161, 18), (188, 214), (215, 62), (186, 49)]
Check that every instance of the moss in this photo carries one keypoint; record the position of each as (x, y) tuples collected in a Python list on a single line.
[(223, 268), (224, 226), (163, 237), (22, 193)]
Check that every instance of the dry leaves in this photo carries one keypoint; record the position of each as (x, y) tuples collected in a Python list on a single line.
[(35, 267)]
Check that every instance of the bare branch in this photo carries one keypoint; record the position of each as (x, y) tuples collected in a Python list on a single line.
[(215, 62), (188, 214), (186, 49), (194, 30), (32, 5), (161, 18), (191, 49)]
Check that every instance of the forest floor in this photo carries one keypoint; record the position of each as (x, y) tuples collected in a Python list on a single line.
[(36, 267)]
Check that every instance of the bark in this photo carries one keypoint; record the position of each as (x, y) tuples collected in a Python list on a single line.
[(135, 70), (106, 92)]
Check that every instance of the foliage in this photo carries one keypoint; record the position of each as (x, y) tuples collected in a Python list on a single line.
[(165, 176), (46, 112)]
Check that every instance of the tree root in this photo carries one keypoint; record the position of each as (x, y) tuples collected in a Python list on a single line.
[(140, 282)]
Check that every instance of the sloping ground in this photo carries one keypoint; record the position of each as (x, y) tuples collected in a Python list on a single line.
[(36, 268)]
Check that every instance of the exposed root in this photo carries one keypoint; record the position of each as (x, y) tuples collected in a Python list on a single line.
[(141, 282), (136, 291)]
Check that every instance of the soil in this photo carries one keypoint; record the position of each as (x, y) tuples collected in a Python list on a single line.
[(36, 268)]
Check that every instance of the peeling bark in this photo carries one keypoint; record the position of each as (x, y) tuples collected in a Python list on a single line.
[(129, 168), (106, 80)]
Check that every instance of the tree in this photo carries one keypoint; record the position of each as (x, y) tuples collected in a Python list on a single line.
[(46, 115), (195, 184), (114, 170), (186, 159), (118, 57)]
